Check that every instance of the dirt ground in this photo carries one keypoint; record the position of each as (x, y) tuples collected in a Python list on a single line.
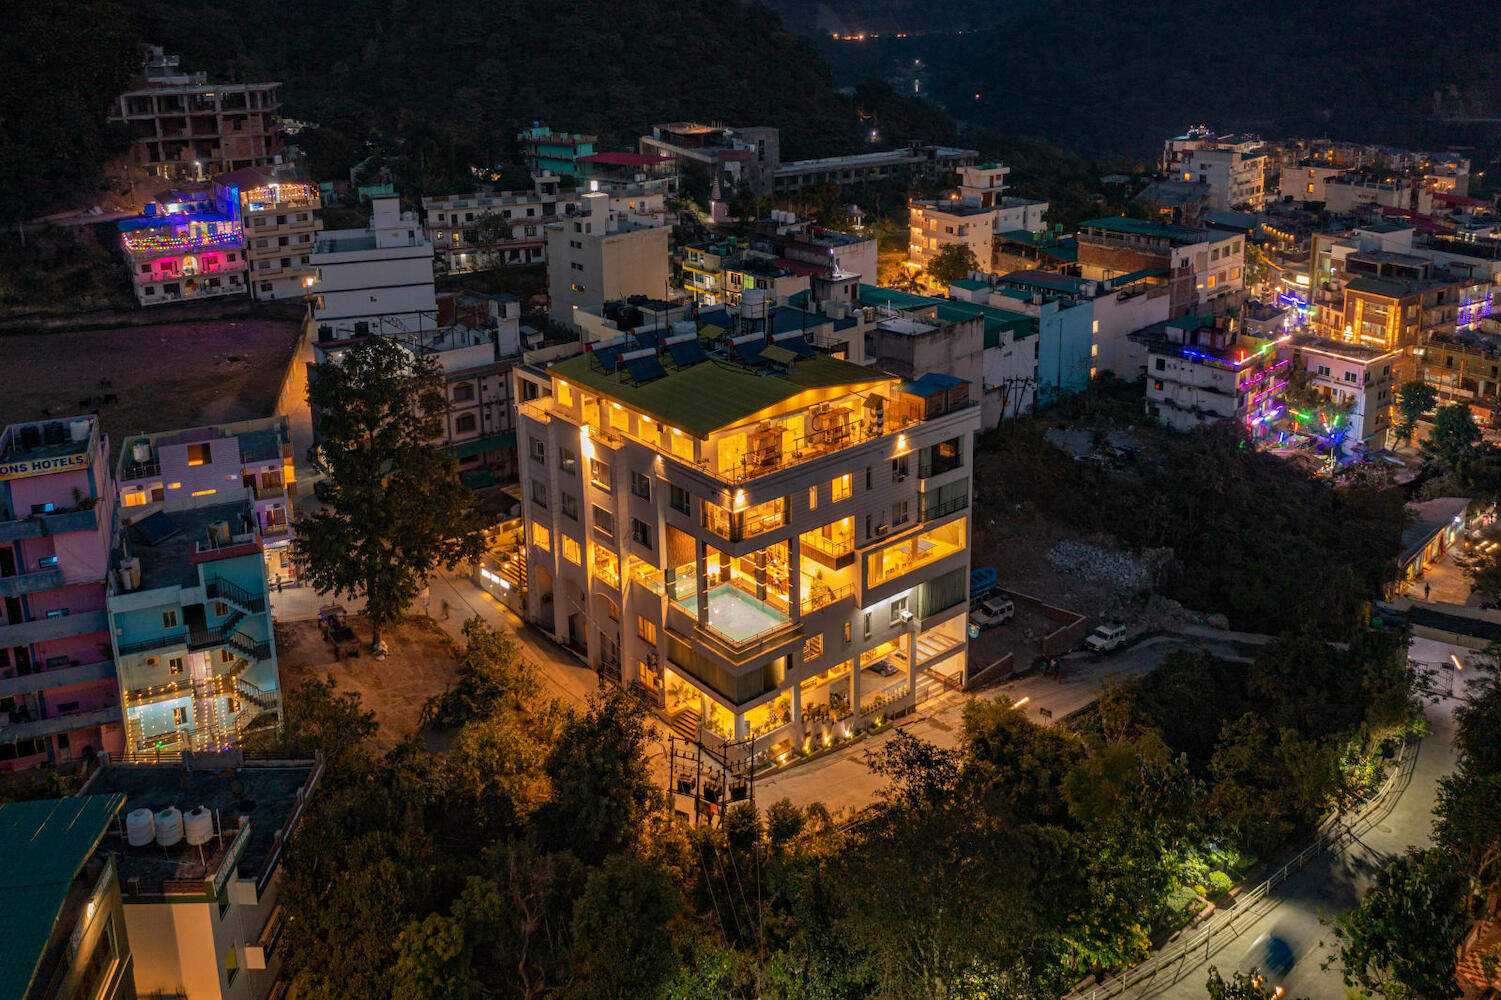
[(164, 377), (421, 664)]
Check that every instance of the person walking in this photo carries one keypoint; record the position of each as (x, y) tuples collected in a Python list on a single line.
[(1427, 589), (445, 609)]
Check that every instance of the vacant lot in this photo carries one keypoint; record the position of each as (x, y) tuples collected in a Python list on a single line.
[(163, 377), (421, 664)]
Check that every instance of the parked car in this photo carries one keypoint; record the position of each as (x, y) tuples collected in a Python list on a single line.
[(884, 668), (992, 611), (1106, 637)]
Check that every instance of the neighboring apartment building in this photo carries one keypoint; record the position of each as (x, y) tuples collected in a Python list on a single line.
[(58, 696), (183, 127), (1361, 381), (1204, 269), (973, 215), (65, 934), (375, 280), (1306, 181), (185, 250), (198, 862), (248, 459), (476, 341), (1234, 174), (280, 225), (773, 542), (1201, 370), (549, 152), (618, 173), (593, 258), (191, 624), (912, 162), (735, 157)]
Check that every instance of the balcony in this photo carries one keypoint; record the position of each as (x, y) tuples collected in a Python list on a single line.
[(30, 583), (46, 679), (44, 525), (835, 553), (55, 724), (43, 629), (933, 509), (821, 595), (167, 640)]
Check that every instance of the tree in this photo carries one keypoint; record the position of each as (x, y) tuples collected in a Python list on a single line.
[(1403, 937), (1454, 439), (953, 263), (1414, 399), (1257, 265), (602, 788), (321, 717), (620, 950), (397, 510)]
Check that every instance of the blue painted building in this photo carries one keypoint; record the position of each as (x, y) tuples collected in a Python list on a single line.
[(191, 627)]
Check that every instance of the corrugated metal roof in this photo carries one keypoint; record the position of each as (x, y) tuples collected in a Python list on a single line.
[(45, 843)]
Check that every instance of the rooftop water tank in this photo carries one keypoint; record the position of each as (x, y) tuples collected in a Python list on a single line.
[(198, 826), (78, 430), (169, 826), (140, 828), (753, 304)]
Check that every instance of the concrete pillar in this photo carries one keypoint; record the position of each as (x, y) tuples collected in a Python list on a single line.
[(797, 709), (701, 581), (855, 685), (742, 728), (794, 577)]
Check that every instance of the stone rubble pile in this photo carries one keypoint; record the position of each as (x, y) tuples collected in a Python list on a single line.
[(1099, 564)]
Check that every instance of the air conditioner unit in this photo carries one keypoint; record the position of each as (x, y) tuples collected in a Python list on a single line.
[(902, 478), (881, 529)]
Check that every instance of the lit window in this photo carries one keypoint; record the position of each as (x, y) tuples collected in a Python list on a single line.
[(541, 537), (204, 493), (199, 454), (812, 497), (841, 487), (571, 551), (134, 498)]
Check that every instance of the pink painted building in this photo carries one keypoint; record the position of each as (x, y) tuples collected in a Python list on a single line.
[(58, 693)]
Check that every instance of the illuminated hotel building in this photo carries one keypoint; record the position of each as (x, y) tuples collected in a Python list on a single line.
[(277, 216), (184, 250), (772, 541)]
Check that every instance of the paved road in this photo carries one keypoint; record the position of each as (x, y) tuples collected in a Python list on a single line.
[(842, 781), (1329, 885)]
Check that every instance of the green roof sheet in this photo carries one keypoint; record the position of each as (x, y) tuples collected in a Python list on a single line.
[(1141, 227), (712, 394), (997, 321), (968, 284), (45, 843), (464, 449), (1134, 276)]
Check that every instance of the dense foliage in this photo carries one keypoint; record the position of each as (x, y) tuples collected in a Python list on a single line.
[(1105, 77), (62, 64), (1401, 941), (1251, 535), (532, 858)]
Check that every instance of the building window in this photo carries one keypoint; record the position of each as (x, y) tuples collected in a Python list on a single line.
[(539, 494), (641, 485), (867, 624), (225, 656), (465, 424), (812, 497), (463, 392), (899, 513), (221, 610), (604, 520), (841, 487), (646, 631), (679, 499), (179, 717), (174, 665), (640, 533), (570, 505), (1161, 365), (169, 619), (536, 449), (812, 648), (571, 550), (541, 537), (568, 461), (848, 634), (898, 606), (199, 454), (599, 474)]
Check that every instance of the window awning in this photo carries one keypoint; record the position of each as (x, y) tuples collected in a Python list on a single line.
[(468, 449)]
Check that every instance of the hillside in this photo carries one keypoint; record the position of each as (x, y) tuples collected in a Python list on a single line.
[(1116, 76), (822, 17), (458, 77)]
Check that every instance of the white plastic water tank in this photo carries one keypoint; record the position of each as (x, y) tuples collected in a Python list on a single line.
[(140, 827), (140, 451), (169, 826), (753, 304), (130, 573), (198, 826), (78, 430)]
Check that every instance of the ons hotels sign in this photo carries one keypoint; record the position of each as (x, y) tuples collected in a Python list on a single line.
[(43, 466)]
